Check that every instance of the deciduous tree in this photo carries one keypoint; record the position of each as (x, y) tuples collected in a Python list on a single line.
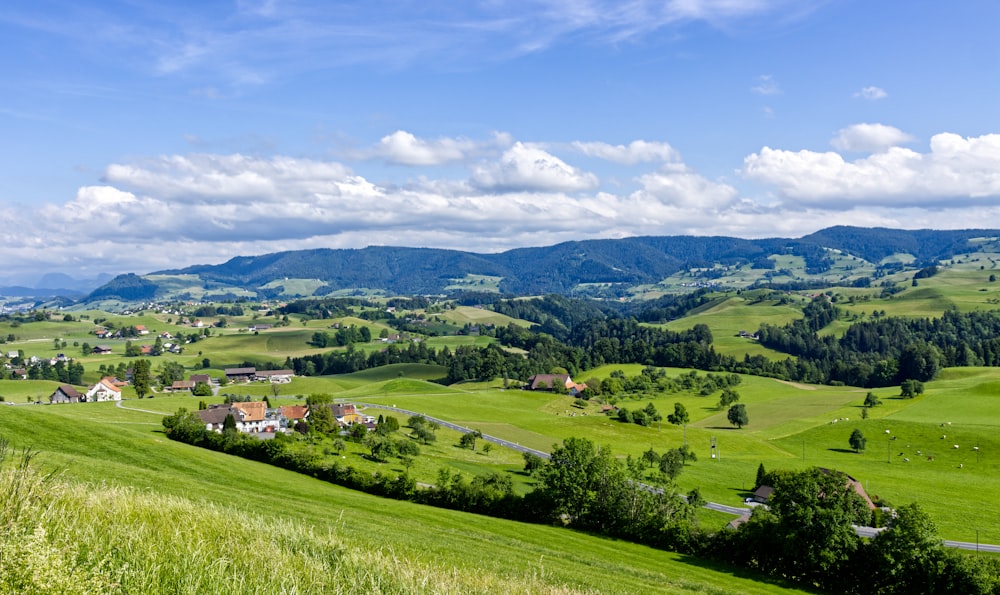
[(738, 415)]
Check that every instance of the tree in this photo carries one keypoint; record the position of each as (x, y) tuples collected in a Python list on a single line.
[(695, 499), (919, 361), (728, 397), (381, 447), (387, 425), (169, 372), (202, 389), (761, 476), (407, 448), (468, 440), (857, 440), (651, 457), (488, 447), (809, 531), (738, 415), (871, 400), (672, 463), (532, 463), (229, 424), (903, 558), (141, 377), (357, 432), (425, 432), (321, 418), (680, 415), (911, 388)]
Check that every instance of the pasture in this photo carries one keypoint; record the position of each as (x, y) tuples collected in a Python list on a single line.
[(416, 548), (791, 427)]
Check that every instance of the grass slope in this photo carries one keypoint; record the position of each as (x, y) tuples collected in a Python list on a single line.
[(414, 548)]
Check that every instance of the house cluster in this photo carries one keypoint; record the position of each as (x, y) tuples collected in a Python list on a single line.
[(749, 335), (551, 381), (108, 389), (16, 367), (255, 375), (255, 417)]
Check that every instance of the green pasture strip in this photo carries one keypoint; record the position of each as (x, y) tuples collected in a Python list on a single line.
[(728, 318), (462, 315)]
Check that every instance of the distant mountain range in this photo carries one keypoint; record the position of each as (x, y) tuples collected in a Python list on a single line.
[(55, 285), (567, 268)]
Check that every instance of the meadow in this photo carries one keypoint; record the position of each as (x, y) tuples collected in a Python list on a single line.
[(144, 514), (910, 454), (791, 427)]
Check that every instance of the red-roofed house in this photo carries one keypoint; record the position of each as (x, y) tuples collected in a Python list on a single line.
[(550, 381)]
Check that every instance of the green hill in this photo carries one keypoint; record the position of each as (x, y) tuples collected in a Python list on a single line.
[(131, 512)]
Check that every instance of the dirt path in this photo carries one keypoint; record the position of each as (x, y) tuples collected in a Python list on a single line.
[(797, 385)]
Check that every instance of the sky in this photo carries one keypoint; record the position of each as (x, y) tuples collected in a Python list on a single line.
[(139, 135)]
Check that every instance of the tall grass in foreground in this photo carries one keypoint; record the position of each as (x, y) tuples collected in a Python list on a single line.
[(61, 537)]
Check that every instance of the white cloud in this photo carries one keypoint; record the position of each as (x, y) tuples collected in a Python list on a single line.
[(872, 93), (404, 148), (766, 85), (177, 210), (638, 151), (956, 171), (865, 138), (526, 167), (676, 185), (202, 177)]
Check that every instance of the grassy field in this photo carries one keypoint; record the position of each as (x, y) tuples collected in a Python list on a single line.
[(734, 314), (123, 458), (791, 426)]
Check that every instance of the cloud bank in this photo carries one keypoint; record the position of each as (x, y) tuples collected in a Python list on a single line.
[(176, 210)]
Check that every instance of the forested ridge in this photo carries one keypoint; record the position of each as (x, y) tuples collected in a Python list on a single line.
[(561, 268)]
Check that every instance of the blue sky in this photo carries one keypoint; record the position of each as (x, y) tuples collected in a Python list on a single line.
[(146, 135)]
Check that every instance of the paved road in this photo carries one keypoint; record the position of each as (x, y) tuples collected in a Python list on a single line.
[(120, 405), (868, 532), (464, 430)]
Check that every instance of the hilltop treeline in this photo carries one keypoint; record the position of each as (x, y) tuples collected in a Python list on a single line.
[(591, 344), (876, 353), (885, 350), (577, 335)]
